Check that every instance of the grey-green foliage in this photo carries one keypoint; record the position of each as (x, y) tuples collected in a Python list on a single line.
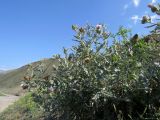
[(97, 81)]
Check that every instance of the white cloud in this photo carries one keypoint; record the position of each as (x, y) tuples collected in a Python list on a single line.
[(125, 6), (135, 18), (154, 17), (154, 1), (136, 2)]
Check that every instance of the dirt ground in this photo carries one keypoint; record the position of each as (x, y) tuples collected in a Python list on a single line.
[(7, 100)]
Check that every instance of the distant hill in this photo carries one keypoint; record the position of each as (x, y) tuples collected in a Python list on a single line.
[(1, 71), (4, 71), (10, 80)]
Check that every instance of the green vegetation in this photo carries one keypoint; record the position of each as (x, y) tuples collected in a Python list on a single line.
[(95, 81), (23, 109), (99, 82), (1, 94)]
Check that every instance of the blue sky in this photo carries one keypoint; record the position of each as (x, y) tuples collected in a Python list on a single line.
[(31, 30)]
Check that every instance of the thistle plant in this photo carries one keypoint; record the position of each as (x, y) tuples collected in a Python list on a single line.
[(96, 80)]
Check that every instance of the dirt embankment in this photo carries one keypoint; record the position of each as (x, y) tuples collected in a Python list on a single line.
[(7, 100)]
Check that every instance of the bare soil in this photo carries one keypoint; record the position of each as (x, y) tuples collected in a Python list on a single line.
[(7, 100)]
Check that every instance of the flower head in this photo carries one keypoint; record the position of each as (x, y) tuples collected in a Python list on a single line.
[(98, 26)]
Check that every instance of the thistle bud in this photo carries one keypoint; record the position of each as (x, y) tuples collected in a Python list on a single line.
[(134, 39), (24, 86), (105, 35), (81, 30), (46, 77), (86, 60), (153, 8), (145, 19)]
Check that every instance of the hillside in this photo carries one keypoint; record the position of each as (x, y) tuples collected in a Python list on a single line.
[(10, 81), (1, 71)]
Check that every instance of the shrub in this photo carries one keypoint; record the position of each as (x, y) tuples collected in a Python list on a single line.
[(98, 81)]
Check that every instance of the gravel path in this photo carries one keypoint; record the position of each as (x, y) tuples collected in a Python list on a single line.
[(5, 101)]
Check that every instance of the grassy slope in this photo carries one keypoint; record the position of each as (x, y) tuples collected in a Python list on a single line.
[(10, 81), (23, 109)]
